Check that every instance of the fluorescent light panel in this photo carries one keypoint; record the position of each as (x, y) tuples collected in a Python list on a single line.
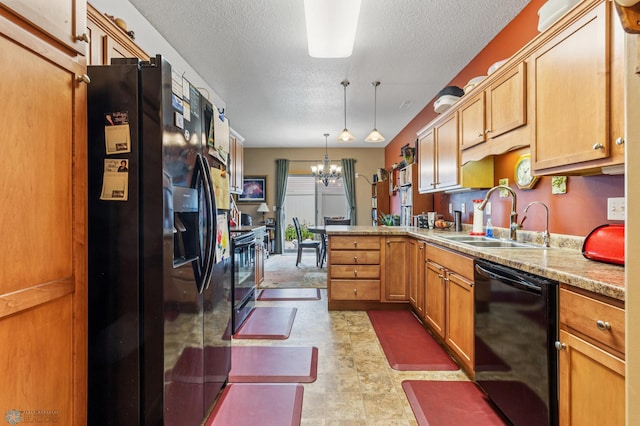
[(331, 27)]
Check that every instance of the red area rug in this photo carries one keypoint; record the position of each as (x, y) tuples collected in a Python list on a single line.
[(290, 294), (273, 364), (407, 345), (267, 323), (258, 404), (450, 403)]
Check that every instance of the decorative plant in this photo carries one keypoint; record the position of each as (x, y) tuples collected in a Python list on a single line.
[(290, 232), (389, 219)]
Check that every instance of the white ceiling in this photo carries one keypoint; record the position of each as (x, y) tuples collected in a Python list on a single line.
[(254, 54)]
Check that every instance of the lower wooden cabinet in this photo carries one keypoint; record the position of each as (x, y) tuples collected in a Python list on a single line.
[(354, 271), (591, 360), (449, 308), (416, 276), (396, 266)]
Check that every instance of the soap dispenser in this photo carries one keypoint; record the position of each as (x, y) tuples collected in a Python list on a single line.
[(489, 230)]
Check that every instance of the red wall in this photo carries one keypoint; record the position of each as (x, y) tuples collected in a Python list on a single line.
[(577, 212)]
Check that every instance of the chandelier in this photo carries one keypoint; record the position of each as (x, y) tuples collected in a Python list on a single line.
[(325, 171)]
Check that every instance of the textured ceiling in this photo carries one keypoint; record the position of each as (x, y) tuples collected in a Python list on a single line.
[(254, 54)]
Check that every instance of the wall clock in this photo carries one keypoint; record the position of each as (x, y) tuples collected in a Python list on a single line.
[(522, 175)]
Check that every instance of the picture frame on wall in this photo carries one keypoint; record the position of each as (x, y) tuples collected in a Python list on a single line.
[(254, 189)]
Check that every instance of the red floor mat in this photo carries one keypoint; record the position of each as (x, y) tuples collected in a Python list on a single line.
[(273, 364), (258, 404), (267, 323), (290, 294), (450, 403), (407, 345)]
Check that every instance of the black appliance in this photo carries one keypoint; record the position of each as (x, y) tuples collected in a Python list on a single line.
[(159, 302), (516, 326), (243, 248)]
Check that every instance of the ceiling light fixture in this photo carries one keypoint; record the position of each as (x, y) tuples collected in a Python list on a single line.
[(325, 171), (346, 135), (375, 135), (331, 27)]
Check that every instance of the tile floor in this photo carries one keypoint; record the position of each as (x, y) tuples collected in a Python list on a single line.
[(355, 385)]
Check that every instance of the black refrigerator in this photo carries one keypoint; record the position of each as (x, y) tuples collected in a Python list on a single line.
[(159, 299)]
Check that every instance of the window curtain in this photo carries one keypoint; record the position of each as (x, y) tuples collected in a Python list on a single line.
[(349, 177), (282, 171)]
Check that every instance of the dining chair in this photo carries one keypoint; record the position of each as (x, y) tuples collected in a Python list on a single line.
[(325, 239), (305, 243)]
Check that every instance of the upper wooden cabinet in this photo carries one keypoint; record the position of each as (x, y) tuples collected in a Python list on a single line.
[(498, 108), (439, 159), (108, 41), (578, 95), (63, 21)]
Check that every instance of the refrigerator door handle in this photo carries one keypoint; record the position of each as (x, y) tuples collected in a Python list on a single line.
[(211, 214)]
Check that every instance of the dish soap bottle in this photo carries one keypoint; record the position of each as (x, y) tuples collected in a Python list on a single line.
[(489, 230)]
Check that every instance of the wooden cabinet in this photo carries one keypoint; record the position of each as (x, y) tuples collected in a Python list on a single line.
[(379, 200), (416, 275), (449, 309), (396, 269), (43, 278), (62, 20), (354, 271), (496, 109), (107, 40), (578, 95), (236, 161), (591, 360), (439, 159)]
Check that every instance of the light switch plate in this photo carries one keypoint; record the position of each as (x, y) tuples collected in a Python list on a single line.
[(615, 208)]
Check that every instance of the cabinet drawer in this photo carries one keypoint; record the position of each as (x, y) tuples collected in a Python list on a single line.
[(584, 314), (355, 289), (354, 257), (355, 271), (462, 265), (343, 242)]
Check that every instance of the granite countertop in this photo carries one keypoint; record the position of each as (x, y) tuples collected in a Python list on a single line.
[(563, 262)]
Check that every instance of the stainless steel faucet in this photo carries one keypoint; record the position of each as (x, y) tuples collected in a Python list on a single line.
[(545, 233), (513, 227)]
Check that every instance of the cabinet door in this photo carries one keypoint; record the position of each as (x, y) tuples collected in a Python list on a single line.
[(507, 102), (459, 318), (592, 384), (447, 152), (396, 285), (571, 93), (64, 20), (434, 297), (472, 121), (43, 277), (416, 278), (427, 161)]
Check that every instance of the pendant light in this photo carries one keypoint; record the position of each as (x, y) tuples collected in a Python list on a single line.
[(346, 135), (325, 171), (375, 136)]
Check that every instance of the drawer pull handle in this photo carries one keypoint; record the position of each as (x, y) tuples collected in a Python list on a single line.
[(355, 272), (355, 244), (355, 259), (597, 146), (355, 291), (603, 325), (560, 346), (480, 134), (83, 37), (440, 276), (620, 141)]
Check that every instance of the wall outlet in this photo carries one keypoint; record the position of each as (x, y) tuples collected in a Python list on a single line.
[(615, 208), (463, 208), (450, 208)]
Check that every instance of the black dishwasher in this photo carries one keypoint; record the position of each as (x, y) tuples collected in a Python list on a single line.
[(516, 326)]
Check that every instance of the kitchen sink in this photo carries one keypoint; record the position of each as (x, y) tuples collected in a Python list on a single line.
[(479, 241)]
